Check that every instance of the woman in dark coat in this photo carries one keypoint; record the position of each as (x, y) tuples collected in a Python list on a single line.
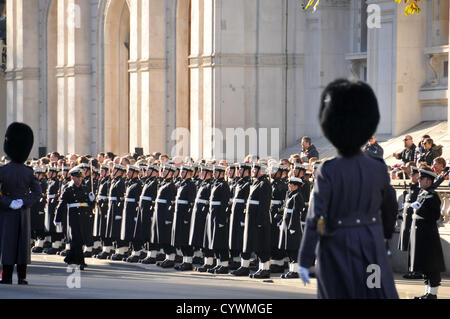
[(19, 190), (353, 207), (426, 250)]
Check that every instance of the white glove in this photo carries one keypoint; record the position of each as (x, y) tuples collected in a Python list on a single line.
[(304, 275), (16, 204), (416, 205), (91, 196), (291, 231)]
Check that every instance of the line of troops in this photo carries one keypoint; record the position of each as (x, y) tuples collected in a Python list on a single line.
[(247, 216)]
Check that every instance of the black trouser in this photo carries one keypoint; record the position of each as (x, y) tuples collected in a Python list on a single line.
[(432, 279), (137, 245), (292, 254), (168, 249), (222, 254), (75, 254), (107, 242), (8, 270), (122, 243), (263, 256), (152, 246), (246, 256), (187, 251), (234, 253), (207, 252), (56, 237), (278, 254)]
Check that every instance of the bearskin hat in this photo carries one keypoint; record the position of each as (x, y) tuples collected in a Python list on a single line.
[(348, 115), (19, 141)]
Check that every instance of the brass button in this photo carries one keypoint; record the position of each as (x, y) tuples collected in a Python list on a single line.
[(358, 221)]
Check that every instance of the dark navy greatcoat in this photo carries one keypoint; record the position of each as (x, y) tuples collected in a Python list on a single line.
[(197, 234), (290, 230), (237, 217), (115, 207), (426, 249), (102, 208), (182, 216), (217, 220), (50, 205), (37, 212), (17, 181), (130, 209), (146, 208), (257, 228), (359, 205), (405, 228), (279, 191), (163, 213)]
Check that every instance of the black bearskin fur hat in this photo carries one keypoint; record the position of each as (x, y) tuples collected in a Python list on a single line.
[(19, 141), (348, 115)]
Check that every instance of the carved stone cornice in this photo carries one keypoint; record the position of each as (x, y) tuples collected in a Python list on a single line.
[(22, 74), (73, 70), (262, 60), (147, 65)]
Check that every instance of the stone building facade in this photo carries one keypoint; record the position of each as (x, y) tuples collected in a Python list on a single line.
[(114, 75)]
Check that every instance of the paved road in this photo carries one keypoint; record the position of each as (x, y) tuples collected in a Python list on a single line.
[(49, 276)]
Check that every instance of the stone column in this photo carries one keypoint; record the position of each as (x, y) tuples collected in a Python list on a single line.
[(23, 65)]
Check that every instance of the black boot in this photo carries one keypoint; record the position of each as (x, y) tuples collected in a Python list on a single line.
[(241, 271), (184, 267), (222, 270), (290, 275), (37, 250), (234, 265), (117, 257), (7, 274), (275, 269), (133, 259), (149, 261), (197, 260), (261, 274), (212, 270), (103, 255), (204, 268), (87, 254), (167, 264), (254, 265), (51, 251), (160, 257)]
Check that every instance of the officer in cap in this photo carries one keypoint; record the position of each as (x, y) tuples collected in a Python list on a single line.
[(130, 214), (163, 215), (237, 220), (64, 183), (426, 249), (77, 202), (257, 231), (38, 213), (290, 230), (51, 203), (146, 211), (114, 218), (217, 220), (197, 234), (184, 202), (19, 190), (353, 207), (279, 191), (405, 228)]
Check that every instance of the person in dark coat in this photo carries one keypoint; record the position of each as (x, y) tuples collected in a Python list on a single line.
[(130, 215), (353, 207), (197, 234), (102, 210), (257, 229), (146, 211), (308, 150), (408, 153), (19, 190), (279, 191), (217, 225), (237, 220), (37, 213), (114, 218), (64, 183), (290, 230), (405, 228), (184, 202), (163, 215), (53, 187), (426, 249), (372, 148), (76, 203), (430, 152)]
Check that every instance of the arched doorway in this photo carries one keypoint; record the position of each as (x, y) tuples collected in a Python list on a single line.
[(116, 56)]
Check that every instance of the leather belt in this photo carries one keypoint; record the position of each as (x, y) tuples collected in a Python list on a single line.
[(162, 201), (253, 202), (130, 200), (182, 201), (146, 198), (216, 203), (239, 200), (202, 201)]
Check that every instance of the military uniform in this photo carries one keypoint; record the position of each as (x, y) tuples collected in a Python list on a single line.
[(37, 212), (77, 206), (53, 188), (101, 215)]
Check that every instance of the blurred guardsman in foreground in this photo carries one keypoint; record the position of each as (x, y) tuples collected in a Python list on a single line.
[(19, 190), (353, 206)]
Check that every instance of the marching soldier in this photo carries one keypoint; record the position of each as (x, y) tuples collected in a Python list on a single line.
[(426, 249), (65, 180), (130, 214), (51, 203), (217, 221), (279, 191), (405, 228), (101, 215), (37, 212), (197, 235), (163, 216), (257, 229), (182, 218), (290, 230), (114, 219), (146, 210), (77, 202), (237, 220), (232, 179)]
